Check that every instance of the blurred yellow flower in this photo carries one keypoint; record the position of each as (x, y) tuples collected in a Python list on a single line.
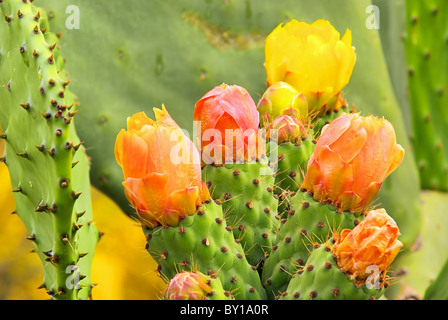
[(122, 268), (313, 59)]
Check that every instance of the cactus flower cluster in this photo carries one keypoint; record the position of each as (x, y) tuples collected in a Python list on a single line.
[(274, 198), (233, 217)]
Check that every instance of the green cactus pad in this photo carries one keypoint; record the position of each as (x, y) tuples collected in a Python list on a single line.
[(427, 55), (308, 222), (291, 168), (321, 279), (48, 168), (246, 193), (320, 122), (204, 242)]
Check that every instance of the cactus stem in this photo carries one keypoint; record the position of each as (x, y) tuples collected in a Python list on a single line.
[(74, 164), (3, 136)]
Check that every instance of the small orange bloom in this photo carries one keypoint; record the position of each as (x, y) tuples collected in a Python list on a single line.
[(161, 168), (188, 286), (227, 119), (373, 242), (288, 129), (352, 157)]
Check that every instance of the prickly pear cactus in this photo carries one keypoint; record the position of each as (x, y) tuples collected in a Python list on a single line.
[(205, 242), (249, 204), (321, 279), (307, 222), (292, 159), (48, 167), (427, 57), (231, 36)]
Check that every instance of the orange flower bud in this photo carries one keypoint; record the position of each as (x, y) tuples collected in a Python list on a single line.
[(288, 129), (228, 120), (373, 242), (188, 286), (352, 157), (161, 168)]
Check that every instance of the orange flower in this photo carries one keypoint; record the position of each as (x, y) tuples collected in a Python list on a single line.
[(228, 120), (373, 242), (188, 286), (352, 157), (161, 168)]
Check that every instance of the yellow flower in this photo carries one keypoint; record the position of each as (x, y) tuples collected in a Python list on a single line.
[(281, 99), (313, 59)]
